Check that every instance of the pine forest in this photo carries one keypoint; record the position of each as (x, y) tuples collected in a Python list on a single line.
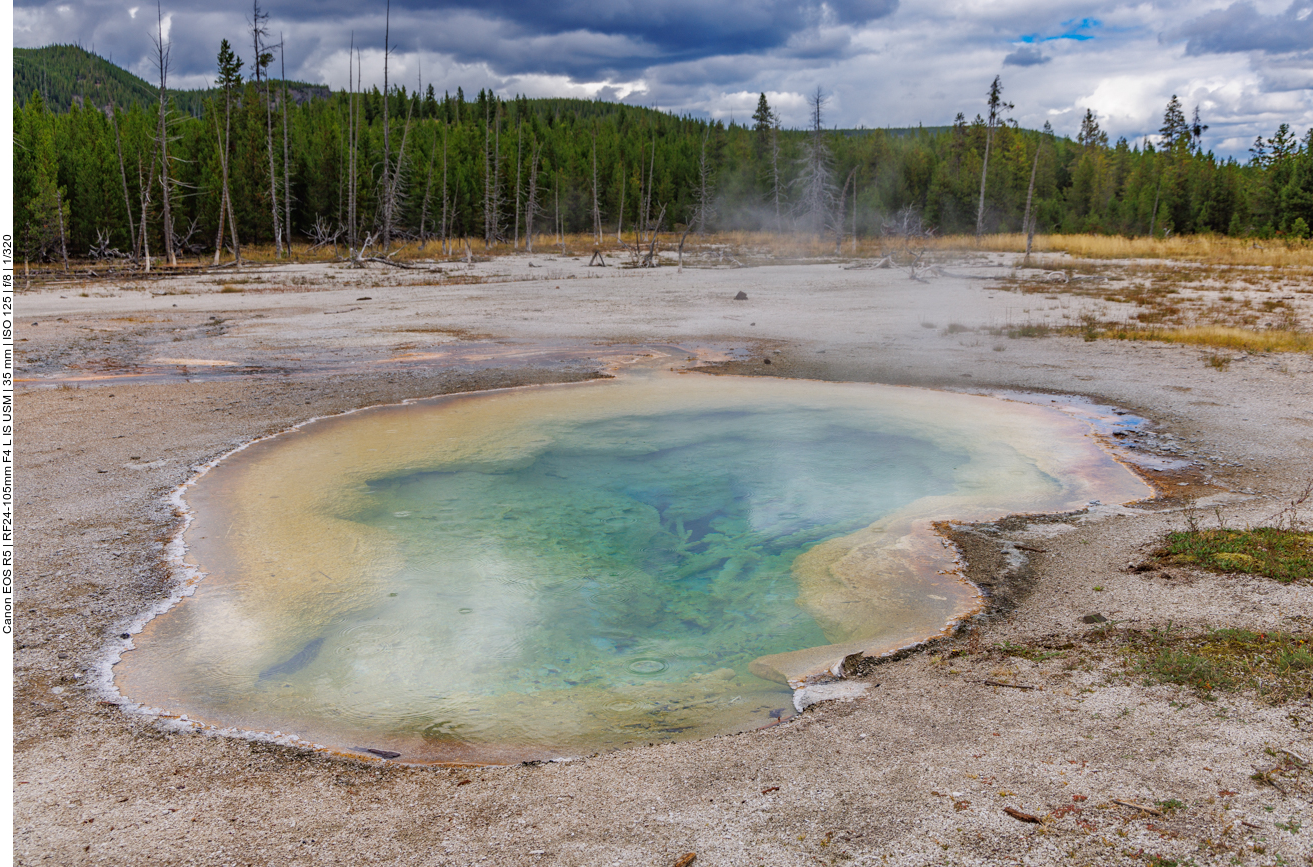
[(108, 165)]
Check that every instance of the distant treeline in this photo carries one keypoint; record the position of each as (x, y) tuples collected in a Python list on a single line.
[(487, 168)]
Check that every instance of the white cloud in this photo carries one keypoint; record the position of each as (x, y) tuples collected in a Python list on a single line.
[(921, 64)]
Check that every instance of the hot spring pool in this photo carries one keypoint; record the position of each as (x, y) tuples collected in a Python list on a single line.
[(562, 569)]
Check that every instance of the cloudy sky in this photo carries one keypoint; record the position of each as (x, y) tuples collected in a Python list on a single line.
[(1248, 66)]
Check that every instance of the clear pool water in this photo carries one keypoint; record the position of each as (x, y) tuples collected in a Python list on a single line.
[(547, 571)]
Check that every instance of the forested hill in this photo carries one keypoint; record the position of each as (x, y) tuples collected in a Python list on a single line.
[(68, 75), (428, 165)]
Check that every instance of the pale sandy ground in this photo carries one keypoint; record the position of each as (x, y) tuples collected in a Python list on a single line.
[(872, 781)]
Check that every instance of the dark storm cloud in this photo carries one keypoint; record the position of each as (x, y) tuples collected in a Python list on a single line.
[(580, 39), (1241, 27), (1026, 55)]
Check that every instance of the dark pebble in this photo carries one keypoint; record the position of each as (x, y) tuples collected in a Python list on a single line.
[(742, 296), (765, 361), (125, 635), (1094, 618), (383, 754)]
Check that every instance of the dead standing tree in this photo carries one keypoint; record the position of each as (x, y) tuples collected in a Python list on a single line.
[(396, 188), (428, 189), (532, 207), (596, 210), (816, 176), (519, 167), (620, 220), (351, 150), (287, 163), (492, 192), (387, 140), (162, 51), (263, 58), (144, 186), (996, 108), (777, 188), (446, 244), (1028, 221), (123, 171)]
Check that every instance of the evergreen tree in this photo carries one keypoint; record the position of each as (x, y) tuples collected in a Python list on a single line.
[(41, 210), (1175, 132), (1090, 134)]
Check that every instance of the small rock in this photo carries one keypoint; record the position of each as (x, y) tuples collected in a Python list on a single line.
[(742, 296), (843, 690), (765, 361), (1094, 618), (125, 635), (382, 754)]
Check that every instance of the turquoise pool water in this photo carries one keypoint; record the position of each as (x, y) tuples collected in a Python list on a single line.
[(545, 572)]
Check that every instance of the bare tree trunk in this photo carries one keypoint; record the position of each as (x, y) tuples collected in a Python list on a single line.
[(818, 190), (262, 60), (387, 141), (597, 213), (351, 148), (1027, 222), (984, 173), (287, 176), (496, 173), (59, 210), (145, 188), (394, 193), (123, 172), (428, 189), (996, 107), (519, 159), (487, 179), (446, 245), (775, 171), (353, 141), (651, 182), (223, 190), (620, 221), (638, 206), (232, 229), (531, 206), (560, 234), (162, 58)]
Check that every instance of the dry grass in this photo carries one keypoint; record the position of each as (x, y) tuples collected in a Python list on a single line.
[(1224, 337), (1207, 249)]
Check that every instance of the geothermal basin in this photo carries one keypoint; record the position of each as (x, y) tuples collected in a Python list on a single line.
[(555, 570)]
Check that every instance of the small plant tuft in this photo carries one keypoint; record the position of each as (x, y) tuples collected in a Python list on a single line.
[(1285, 555)]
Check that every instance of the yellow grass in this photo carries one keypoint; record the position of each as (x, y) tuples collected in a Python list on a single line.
[(1209, 249), (1225, 337)]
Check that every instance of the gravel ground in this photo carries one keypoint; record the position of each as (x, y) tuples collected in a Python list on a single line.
[(123, 398)]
